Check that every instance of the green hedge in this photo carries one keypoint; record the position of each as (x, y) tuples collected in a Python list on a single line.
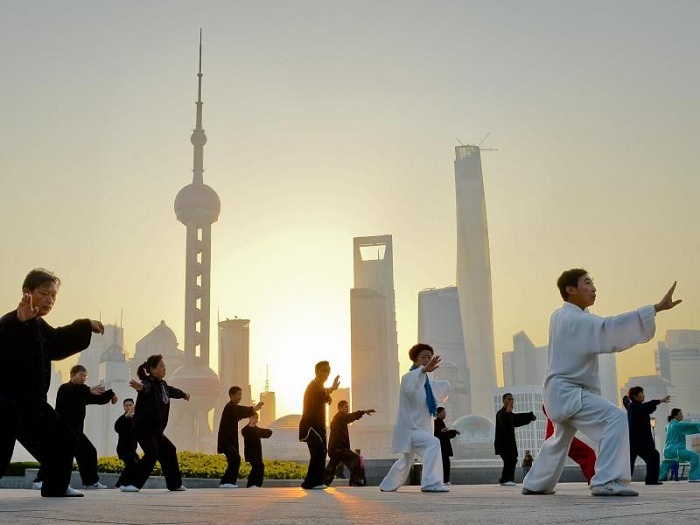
[(17, 469)]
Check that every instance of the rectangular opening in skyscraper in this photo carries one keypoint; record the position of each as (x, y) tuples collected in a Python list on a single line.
[(372, 252)]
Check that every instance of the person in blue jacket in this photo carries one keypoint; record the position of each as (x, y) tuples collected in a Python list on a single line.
[(675, 450), (641, 438)]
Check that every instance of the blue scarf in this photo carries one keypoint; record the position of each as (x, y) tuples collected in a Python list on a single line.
[(429, 397)]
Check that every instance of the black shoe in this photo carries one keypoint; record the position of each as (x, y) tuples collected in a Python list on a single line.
[(654, 483)]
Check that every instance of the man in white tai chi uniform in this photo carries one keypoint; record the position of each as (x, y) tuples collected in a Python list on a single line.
[(413, 432), (572, 386)]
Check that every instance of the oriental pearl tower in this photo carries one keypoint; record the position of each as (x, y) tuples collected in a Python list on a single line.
[(197, 206)]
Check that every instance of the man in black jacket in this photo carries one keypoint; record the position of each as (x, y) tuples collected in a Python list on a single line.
[(27, 347), (505, 445), (227, 442), (444, 434), (641, 439), (126, 442), (252, 448), (339, 450)]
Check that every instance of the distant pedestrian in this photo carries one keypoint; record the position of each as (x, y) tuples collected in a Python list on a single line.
[(312, 426), (413, 431), (339, 450), (444, 434), (227, 442), (675, 448), (504, 443), (126, 442), (27, 347), (252, 448), (675, 466), (641, 438), (150, 419), (527, 463)]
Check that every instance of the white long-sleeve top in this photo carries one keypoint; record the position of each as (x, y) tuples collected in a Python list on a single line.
[(576, 337), (413, 408)]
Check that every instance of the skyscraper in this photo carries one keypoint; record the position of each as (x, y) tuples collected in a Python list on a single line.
[(374, 348), (234, 362), (440, 325), (197, 206), (678, 361), (268, 412), (474, 277)]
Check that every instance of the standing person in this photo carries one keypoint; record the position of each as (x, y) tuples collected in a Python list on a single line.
[(150, 419), (339, 450), (641, 438), (413, 431), (444, 434), (675, 448), (527, 463), (312, 426), (252, 448), (126, 442), (27, 346), (227, 442), (572, 386), (504, 443), (71, 399), (582, 454)]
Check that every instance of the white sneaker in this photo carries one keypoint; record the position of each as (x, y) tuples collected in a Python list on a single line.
[(438, 487), (613, 488), (319, 487), (181, 488), (37, 485), (72, 493), (96, 485), (128, 488), (254, 487), (508, 484), (228, 486)]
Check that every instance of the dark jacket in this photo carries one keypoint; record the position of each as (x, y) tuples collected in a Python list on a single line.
[(153, 406), (316, 397), (506, 422), (228, 427), (71, 401), (639, 422), (126, 442), (252, 446), (340, 437), (444, 437), (26, 351)]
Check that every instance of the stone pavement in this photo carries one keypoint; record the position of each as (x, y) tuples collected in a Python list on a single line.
[(464, 504)]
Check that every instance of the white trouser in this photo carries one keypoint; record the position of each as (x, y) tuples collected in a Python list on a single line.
[(427, 447), (602, 422)]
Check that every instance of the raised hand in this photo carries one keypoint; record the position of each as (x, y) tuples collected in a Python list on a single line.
[(114, 399), (97, 390), (369, 411), (136, 385), (97, 327), (258, 406), (667, 302), (432, 365), (336, 383), (25, 309)]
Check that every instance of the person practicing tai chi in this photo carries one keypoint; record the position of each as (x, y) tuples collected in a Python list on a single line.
[(572, 386), (444, 434), (504, 442), (339, 450), (675, 448), (126, 442), (150, 419), (252, 448), (312, 426), (227, 442), (413, 431), (28, 344), (641, 438)]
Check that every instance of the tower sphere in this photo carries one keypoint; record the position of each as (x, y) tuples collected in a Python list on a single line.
[(197, 203), (198, 138)]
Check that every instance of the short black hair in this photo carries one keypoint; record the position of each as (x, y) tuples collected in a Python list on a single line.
[(633, 392), (234, 389), (341, 403), (320, 365), (673, 414), (76, 369), (440, 409), (127, 399), (38, 277), (506, 395), (417, 349), (569, 278)]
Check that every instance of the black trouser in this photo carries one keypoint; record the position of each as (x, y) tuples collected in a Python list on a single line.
[(9, 415), (348, 458), (257, 472), (85, 457), (51, 441), (129, 458), (155, 448), (316, 441), (233, 460), (445, 468), (651, 457), (509, 463)]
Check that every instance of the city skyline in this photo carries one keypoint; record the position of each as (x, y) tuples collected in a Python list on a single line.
[(329, 123)]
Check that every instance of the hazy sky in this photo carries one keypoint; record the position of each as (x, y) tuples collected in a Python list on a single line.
[(329, 120)]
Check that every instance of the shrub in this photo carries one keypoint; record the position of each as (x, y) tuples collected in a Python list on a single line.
[(17, 469)]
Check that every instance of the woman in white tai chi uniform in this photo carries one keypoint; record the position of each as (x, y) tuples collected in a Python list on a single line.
[(413, 432), (572, 386)]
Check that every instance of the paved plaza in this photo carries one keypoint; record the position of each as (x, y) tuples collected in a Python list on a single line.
[(464, 504)]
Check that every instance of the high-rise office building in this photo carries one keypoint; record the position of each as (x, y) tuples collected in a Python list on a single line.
[(234, 362), (526, 364), (474, 277), (268, 412), (374, 348), (440, 326), (678, 361)]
